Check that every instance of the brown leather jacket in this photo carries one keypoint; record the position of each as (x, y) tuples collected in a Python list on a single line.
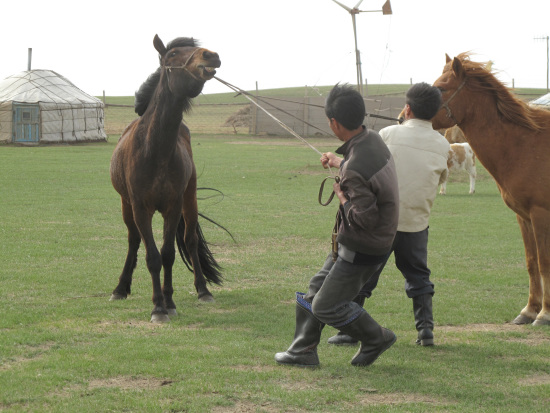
[(369, 181)]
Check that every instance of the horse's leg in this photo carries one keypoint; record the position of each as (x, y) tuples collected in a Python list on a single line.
[(443, 189), (144, 220), (191, 216), (168, 254), (529, 313), (473, 173), (540, 220), (125, 280)]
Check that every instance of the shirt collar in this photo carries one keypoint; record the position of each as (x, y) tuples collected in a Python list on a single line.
[(344, 149), (418, 123)]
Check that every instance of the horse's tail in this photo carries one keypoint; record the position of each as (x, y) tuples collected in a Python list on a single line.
[(210, 268)]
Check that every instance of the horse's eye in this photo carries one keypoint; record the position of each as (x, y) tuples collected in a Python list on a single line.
[(442, 90), (173, 54)]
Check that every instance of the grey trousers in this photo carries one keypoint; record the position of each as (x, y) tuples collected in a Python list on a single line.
[(333, 288)]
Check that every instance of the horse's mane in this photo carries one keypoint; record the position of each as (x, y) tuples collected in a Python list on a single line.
[(508, 106), (145, 92)]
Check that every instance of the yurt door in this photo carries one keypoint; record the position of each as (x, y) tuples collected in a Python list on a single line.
[(26, 123)]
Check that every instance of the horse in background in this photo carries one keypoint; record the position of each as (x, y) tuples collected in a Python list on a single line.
[(512, 141), (455, 135), (152, 169), (461, 157)]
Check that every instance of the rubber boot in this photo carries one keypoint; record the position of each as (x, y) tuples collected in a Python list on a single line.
[(424, 321), (374, 339), (303, 350), (341, 339)]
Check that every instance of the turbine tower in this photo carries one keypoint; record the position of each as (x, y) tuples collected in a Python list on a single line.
[(386, 9)]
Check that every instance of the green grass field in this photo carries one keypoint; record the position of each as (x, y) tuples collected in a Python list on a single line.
[(65, 347)]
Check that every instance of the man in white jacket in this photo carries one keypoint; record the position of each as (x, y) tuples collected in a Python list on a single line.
[(420, 154)]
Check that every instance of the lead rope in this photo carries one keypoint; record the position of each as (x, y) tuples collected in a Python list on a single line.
[(285, 127), (321, 189), (334, 239)]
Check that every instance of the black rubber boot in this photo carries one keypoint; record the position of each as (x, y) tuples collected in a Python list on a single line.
[(341, 339), (424, 321), (374, 339), (303, 350)]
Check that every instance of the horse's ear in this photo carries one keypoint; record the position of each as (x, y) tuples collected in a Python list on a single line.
[(448, 59), (159, 46), (458, 69)]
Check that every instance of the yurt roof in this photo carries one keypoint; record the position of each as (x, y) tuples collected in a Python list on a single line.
[(44, 86), (542, 101)]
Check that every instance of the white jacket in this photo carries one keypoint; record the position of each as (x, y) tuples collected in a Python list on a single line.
[(420, 154)]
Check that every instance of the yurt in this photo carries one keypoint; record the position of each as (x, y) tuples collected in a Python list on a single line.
[(543, 102), (41, 106)]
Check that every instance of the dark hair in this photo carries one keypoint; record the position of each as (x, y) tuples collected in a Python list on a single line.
[(424, 100), (346, 105)]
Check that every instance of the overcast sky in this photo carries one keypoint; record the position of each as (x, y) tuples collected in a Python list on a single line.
[(108, 45)]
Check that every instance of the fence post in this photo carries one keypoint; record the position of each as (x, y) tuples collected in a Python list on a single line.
[(306, 113), (254, 125)]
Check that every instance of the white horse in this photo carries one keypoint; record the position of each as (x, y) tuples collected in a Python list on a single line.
[(461, 157)]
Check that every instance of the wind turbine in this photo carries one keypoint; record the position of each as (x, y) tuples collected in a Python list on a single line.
[(386, 9)]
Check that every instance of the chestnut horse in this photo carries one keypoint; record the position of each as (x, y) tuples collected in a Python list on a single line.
[(152, 169), (512, 141)]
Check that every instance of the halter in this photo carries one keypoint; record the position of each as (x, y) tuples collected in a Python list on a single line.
[(184, 66), (446, 104)]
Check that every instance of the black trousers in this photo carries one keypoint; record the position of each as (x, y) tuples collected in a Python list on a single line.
[(411, 258)]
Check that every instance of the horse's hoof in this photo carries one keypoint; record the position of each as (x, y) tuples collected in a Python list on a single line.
[(159, 318), (207, 298), (172, 311), (117, 297), (522, 319), (541, 322)]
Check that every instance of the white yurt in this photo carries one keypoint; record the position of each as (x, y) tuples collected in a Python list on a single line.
[(543, 102), (41, 106)]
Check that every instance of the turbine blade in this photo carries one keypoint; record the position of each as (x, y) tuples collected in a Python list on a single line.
[(357, 5), (342, 5), (386, 8)]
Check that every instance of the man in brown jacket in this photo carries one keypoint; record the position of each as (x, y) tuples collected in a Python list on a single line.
[(420, 155), (368, 215)]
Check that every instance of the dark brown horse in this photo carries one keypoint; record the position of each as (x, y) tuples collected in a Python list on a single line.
[(152, 169), (512, 141)]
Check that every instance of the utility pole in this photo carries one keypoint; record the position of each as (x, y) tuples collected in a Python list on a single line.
[(386, 9), (547, 60), (29, 59)]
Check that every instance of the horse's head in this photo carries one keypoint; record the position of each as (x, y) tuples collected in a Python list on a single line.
[(451, 81), (188, 66)]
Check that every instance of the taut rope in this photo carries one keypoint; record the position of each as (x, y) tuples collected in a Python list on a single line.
[(285, 127)]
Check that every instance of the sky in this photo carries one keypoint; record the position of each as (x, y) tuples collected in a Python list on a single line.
[(107, 46)]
